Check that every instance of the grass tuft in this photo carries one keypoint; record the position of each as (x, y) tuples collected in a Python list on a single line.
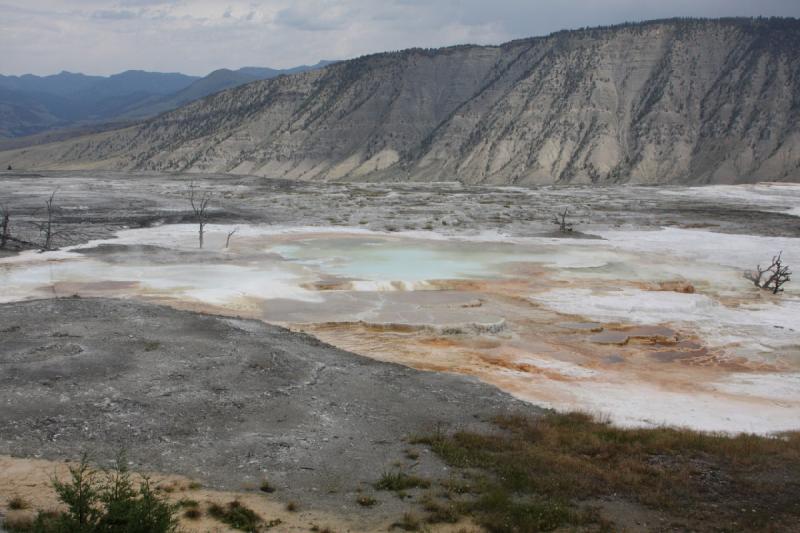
[(17, 503), (19, 523), (151, 346), (193, 513), (188, 502), (236, 515), (366, 501), (440, 512), (400, 481), (412, 454), (409, 522)]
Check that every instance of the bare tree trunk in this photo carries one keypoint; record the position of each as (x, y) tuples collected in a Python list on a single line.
[(199, 206), (230, 234), (48, 227), (561, 220), (5, 235)]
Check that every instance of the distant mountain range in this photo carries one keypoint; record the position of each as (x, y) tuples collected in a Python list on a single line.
[(34, 104), (668, 101)]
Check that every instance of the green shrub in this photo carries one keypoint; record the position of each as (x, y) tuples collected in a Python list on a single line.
[(106, 504)]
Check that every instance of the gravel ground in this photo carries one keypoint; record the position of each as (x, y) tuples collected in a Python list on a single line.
[(225, 401), (93, 205)]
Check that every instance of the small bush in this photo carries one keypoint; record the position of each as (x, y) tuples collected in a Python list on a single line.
[(292, 507), (266, 487)]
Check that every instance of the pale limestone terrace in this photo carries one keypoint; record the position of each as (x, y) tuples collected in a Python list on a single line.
[(604, 324)]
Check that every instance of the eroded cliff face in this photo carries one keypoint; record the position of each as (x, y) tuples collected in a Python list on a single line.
[(681, 101)]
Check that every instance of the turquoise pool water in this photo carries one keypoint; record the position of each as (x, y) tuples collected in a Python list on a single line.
[(376, 259)]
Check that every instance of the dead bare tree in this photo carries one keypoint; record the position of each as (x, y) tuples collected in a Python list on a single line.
[(230, 234), (771, 278), (561, 220), (6, 231), (46, 228), (199, 205), (48, 232)]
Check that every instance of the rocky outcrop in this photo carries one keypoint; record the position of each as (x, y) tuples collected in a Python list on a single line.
[(677, 101)]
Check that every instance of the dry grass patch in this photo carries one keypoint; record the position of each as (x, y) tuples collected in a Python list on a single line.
[(534, 473), (409, 522)]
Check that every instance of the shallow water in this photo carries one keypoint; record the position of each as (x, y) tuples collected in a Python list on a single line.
[(394, 260)]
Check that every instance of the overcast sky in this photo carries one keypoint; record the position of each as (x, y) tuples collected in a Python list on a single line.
[(198, 36)]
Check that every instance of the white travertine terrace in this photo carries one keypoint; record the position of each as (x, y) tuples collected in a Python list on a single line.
[(488, 305)]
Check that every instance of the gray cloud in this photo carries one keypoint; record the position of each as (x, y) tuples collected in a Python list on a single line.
[(120, 14), (315, 16), (197, 36)]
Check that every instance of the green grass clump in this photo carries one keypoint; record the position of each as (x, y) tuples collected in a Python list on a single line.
[(399, 481), (236, 515)]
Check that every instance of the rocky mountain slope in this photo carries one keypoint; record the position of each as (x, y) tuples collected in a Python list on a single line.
[(31, 105), (675, 101)]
